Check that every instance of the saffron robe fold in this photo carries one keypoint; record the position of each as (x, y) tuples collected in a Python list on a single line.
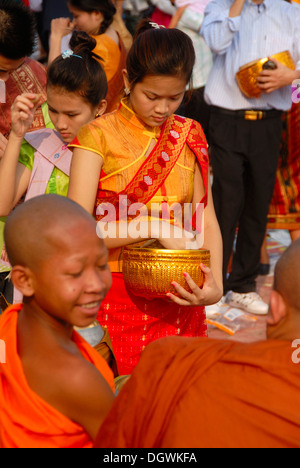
[(26, 420), (195, 392)]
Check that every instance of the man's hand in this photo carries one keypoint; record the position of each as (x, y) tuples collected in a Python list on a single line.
[(271, 80)]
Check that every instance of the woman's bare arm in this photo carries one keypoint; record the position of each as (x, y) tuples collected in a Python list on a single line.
[(212, 234), (212, 290)]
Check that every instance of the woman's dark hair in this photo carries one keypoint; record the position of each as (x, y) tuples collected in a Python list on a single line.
[(106, 7), (80, 73), (17, 29), (160, 51)]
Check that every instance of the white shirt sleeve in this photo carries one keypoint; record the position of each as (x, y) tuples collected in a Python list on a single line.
[(218, 29), (36, 5)]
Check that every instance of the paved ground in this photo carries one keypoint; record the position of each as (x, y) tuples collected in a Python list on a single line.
[(277, 243)]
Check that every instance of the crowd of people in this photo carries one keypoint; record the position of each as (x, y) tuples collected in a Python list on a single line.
[(130, 109)]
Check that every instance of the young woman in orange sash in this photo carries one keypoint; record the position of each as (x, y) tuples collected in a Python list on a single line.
[(145, 154)]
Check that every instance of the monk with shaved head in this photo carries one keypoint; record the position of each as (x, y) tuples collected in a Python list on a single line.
[(214, 393), (55, 389)]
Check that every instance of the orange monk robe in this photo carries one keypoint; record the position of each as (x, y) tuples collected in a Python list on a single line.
[(26, 420), (31, 77), (195, 392)]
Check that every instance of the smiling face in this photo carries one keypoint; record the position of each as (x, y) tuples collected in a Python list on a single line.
[(68, 112), (156, 98), (61, 265), (71, 284)]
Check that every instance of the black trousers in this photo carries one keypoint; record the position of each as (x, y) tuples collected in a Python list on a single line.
[(244, 158)]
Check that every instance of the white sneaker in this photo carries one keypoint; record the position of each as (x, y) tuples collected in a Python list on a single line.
[(249, 302), (215, 308)]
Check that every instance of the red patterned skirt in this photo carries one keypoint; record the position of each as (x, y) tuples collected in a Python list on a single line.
[(134, 322)]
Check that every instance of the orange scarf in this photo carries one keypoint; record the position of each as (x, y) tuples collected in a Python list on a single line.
[(27, 421)]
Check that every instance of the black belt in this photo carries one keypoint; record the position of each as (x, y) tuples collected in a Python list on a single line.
[(248, 114)]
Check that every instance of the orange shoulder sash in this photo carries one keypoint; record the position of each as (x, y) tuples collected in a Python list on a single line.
[(116, 84)]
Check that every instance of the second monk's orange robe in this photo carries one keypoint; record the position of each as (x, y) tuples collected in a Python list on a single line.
[(196, 392)]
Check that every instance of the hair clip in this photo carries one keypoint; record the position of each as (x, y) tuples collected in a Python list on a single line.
[(157, 26), (69, 53)]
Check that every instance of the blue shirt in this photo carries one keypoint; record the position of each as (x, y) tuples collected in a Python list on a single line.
[(260, 31)]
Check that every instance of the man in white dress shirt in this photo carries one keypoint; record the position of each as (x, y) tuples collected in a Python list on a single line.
[(245, 134)]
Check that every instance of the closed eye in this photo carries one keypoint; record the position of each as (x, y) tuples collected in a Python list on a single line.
[(151, 98), (75, 274)]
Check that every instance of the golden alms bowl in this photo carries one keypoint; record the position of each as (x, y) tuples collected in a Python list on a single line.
[(247, 75), (149, 272)]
